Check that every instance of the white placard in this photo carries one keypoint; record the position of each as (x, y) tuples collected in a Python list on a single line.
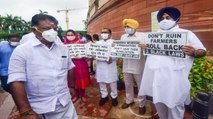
[(126, 49), (165, 43), (77, 50), (99, 52)]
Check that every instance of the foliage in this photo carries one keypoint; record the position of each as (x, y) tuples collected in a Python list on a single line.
[(13, 24), (201, 76), (119, 68)]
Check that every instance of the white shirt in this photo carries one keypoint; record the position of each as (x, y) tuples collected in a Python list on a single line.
[(44, 71), (25, 38), (166, 78), (134, 66), (105, 72)]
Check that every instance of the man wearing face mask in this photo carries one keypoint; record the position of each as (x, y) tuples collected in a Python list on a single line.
[(166, 78), (6, 50), (133, 68), (38, 73), (54, 25), (106, 71)]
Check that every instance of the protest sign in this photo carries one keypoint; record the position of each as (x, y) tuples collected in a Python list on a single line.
[(98, 51), (165, 43), (77, 50), (126, 49)]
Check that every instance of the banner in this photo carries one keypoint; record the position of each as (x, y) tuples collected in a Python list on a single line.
[(126, 49), (165, 43), (99, 52), (77, 50)]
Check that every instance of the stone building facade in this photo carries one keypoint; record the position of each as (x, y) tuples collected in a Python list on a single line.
[(197, 15)]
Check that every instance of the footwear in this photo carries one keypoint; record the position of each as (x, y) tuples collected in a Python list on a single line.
[(125, 105), (74, 99), (142, 110), (84, 99), (114, 102), (103, 101)]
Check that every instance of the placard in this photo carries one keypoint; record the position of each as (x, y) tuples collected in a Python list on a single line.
[(77, 50), (126, 49), (98, 51), (165, 43)]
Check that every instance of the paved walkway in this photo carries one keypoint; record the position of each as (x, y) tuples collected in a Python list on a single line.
[(92, 110)]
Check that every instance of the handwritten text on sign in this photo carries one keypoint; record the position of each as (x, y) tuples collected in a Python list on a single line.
[(126, 49), (77, 50), (166, 44), (99, 52)]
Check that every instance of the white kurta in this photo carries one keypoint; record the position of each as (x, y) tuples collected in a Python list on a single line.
[(105, 72), (134, 66), (166, 78)]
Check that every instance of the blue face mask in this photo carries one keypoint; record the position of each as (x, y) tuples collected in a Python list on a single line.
[(130, 31)]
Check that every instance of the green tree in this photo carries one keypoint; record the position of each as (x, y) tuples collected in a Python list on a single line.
[(13, 24)]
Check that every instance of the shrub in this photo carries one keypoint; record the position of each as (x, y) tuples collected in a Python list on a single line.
[(201, 76)]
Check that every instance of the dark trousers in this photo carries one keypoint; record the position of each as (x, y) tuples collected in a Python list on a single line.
[(4, 84)]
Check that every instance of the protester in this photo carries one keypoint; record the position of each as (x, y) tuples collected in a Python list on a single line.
[(133, 68), (82, 38), (6, 49), (89, 39), (52, 21), (90, 61), (95, 37), (166, 78), (81, 70), (38, 73), (106, 71)]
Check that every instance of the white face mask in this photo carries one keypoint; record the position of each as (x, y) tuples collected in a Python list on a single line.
[(167, 24), (130, 31), (50, 35), (104, 36), (71, 38), (14, 43)]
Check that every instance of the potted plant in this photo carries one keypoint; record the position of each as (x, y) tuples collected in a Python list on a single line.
[(201, 77)]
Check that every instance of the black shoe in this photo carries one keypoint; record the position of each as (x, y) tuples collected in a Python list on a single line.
[(114, 102), (103, 101)]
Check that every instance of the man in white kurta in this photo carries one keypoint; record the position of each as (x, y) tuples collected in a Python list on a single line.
[(166, 78), (133, 68), (106, 72)]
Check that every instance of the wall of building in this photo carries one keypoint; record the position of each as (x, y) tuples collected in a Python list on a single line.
[(197, 15)]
